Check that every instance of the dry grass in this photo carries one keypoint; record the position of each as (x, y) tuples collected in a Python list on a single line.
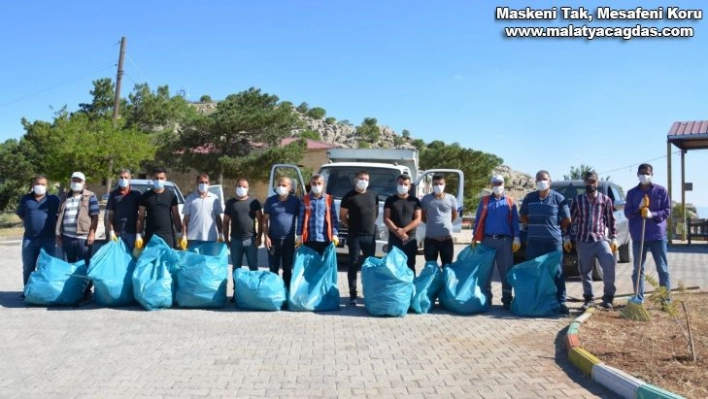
[(658, 351)]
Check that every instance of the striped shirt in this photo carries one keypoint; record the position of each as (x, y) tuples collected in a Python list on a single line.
[(593, 219), (316, 225), (71, 214)]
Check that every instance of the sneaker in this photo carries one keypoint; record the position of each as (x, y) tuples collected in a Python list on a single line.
[(352, 302), (506, 305), (606, 305), (587, 305), (564, 309)]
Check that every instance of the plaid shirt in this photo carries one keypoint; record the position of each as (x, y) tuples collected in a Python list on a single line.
[(593, 219), (316, 225)]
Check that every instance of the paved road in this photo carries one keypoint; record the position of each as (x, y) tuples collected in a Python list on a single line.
[(93, 352)]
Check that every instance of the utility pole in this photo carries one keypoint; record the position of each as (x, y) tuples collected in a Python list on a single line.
[(116, 107)]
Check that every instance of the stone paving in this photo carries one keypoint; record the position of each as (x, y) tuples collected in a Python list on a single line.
[(94, 352)]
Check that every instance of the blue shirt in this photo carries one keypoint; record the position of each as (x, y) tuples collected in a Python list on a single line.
[(659, 206), (281, 216), (317, 228), (545, 215), (497, 220), (39, 217)]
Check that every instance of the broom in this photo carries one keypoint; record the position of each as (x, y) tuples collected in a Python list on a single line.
[(634, 309)]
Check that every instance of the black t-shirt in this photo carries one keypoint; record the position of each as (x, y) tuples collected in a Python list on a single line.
[(243, 217), (363, 208), (158, 207), (402, 210), (125, 210)]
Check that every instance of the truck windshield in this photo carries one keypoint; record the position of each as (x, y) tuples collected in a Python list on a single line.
[(340, 180)]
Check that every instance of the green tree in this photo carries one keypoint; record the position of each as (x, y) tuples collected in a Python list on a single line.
[(16, 171), (577, 173), (369, 130), (205, 99), (398, 141), (311, 134), (331, 120), (316, 113), (244, 125), (157, 111), (419, 144), (103, 93), (476, 165), (303, 107), (364, 144), (406, 134)]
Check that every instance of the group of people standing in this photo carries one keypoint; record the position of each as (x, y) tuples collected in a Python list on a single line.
[(66, 226)]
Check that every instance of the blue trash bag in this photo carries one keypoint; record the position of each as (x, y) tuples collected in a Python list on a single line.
[(313, 286), (534, 286), (427, 288), (152, 277), (200, 280), (259, 290), (465, 279), (388, 284), (56, 282), (111, 270)]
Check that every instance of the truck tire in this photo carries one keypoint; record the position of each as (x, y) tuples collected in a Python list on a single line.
[(624, 256)]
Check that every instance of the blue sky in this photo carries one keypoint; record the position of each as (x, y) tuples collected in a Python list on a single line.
[(439, 69)]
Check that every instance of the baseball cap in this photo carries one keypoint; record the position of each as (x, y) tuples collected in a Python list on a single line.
[(497, 179), (78, 175)]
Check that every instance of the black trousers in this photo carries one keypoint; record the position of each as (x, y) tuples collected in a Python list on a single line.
[(360, 248), (444, 248), (319, 247), (410, 248)]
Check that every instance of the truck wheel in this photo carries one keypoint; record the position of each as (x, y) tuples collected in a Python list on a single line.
[(624, 256), (597, 274)]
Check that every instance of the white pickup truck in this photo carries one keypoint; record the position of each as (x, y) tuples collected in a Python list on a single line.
[(384, 166)]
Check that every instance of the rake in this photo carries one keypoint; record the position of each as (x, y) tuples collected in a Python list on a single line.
[(634, 309)]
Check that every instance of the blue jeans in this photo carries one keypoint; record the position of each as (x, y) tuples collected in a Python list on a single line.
[(128, 240), (658, 252), (244, 247), (31, 246), (75, 249), (535, 248), (504, 260)]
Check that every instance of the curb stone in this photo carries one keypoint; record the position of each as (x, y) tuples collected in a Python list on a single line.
[(611, 378)]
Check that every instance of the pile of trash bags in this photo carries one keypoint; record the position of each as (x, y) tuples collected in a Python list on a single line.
[(313, 286), (388, 284), (534, 286), (465, 279)]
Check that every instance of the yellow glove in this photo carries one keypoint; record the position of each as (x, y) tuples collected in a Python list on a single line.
[(298, 241), (516, 245), (645, 202), (335, 240), (613, 246), (113, 236), (182, 242), (567, 245), (220, 238), (646, 213), (138, 242), (473, 243)]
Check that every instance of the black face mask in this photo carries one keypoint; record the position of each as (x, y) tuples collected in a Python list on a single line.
[(590, 189)]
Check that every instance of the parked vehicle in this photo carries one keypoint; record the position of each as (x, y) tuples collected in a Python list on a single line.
[(570, 189), (384, 166)]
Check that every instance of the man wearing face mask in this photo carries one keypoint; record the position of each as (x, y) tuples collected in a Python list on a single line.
[(439, 211), (279, 216), (592, 214), (77, 220), (648, 203), (496, 225), (163, 218), (38, 211), (123, 204), (202, 216), (402, 215), (358, 211), (546, 215), (241, 216), (317, 223)]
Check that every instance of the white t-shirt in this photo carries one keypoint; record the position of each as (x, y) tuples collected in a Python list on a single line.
[(202, 212)]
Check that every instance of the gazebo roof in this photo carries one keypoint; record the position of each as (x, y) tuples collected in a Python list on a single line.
[(689, 135)]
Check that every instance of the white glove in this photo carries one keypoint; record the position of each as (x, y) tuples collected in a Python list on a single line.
[(113, 236), (646, 213), (298, 240)]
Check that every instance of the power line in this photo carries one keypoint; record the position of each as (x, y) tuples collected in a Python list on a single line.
[(638, 163), (83, 76), (136, 67)]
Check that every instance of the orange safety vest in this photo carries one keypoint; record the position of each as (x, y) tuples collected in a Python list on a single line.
[(308, 211), (479, 233)]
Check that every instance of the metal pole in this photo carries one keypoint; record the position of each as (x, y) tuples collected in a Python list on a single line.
[(683, 193), (669, 222)]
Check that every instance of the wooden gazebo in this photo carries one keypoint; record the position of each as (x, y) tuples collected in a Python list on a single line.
[(685, 136)]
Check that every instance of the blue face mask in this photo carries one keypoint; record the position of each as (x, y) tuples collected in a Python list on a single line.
[(158, 184), (123, 183)]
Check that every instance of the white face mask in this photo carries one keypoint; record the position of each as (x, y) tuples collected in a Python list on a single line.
[(203, 188), (282, 191), (438, 188), (498, 189), (241, 191), (362, 184), (158, 184), (39, 189), (542, 185), (77, 186), (644, 179), (402, 189), (123, 183), (316, 189)]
